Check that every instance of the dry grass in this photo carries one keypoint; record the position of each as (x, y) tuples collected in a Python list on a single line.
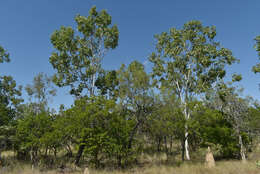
[(150, 164), (225, 167)]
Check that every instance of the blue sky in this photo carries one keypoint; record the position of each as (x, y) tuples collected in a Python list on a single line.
[(26, 27)]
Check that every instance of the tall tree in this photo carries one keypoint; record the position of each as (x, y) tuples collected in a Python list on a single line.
[(189, 62), (77, 58), (9, 101)]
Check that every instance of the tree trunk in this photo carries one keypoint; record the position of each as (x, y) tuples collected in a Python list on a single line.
[(0, 158), (165, 144), (159, 144), (187, 153), (119, 161), (187, 117), (171, 142), (55, 152), (182, 149), (46, 152), (69, 151), (33, 158), (132, 134), (242, 149), (79, 154)]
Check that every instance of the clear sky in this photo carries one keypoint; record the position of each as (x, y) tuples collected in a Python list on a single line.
[(26, 27)]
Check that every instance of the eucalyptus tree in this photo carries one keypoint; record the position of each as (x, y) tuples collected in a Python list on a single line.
[(4, 55), (35, 124), (10, 98), (9, 91), (40, 92), (135, 95), (166, 123), (189, 61), (236, 111), (256, 68), (107, 83), (78, 53)]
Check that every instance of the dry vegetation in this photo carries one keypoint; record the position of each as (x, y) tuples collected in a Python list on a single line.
[(150, 165), (225, 167)]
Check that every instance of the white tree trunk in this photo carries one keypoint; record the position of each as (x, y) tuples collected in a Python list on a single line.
[(187, 153), (242, 149), (92, 91), (32, 159), (187, 116)]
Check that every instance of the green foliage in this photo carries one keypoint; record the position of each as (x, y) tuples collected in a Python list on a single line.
[(31, 132), (136, 95), (98, 126), (40, 92), (189, 60), (7, 137), (118, 114), (77, 58), (256, 68), (135, 89), (9, 92), (108, 83), (4, 56), (211, 127), (32, 128), (236, 77), (166, 121)]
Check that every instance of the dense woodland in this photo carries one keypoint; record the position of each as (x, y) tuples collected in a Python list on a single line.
[(184, 104)]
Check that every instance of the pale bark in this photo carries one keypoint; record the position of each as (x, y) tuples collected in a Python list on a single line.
[(186, 144), (242, 149), (187, 153), (183, 95)]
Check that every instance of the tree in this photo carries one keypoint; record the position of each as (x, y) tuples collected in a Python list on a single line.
[(31, 133), (9, 101), (108, 83), (256, 68), (4, 56), (96, 124), (189, 62), (135, 94), (40, 92), (236, 112), (77, 58), (166, 121), (211, 128)]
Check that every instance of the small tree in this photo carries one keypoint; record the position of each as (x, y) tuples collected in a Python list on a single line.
[(135, 95), (30, 134), (98, 126), (236, 111), (40, 92)]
